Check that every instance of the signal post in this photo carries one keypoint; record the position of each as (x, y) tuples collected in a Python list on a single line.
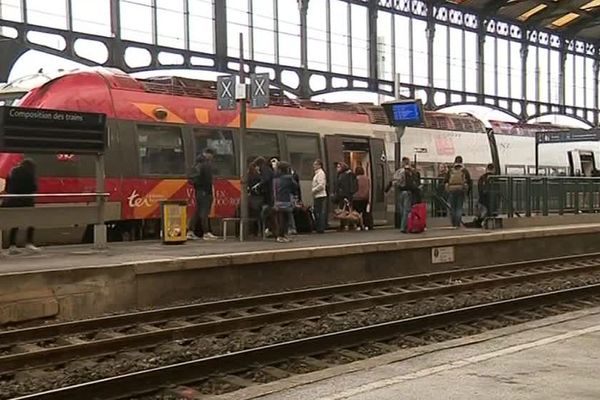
[(228, 93)]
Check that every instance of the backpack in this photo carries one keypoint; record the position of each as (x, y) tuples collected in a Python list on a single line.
[(457, 181)]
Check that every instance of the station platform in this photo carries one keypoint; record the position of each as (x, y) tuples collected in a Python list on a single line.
[(75, 281), (552, 358)]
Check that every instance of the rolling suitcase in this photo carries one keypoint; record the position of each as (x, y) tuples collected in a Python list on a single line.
[(417, 218)]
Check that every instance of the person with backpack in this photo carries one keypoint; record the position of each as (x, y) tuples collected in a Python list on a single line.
[(406, 183), (457, 183)]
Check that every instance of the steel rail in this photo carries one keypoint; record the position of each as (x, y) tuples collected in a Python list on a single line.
[(143, 382), (64, 353), (192, 310)]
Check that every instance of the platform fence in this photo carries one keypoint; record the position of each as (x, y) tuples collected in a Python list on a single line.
[(522, 196)]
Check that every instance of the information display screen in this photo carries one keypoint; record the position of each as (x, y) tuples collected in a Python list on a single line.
[(404, 112)]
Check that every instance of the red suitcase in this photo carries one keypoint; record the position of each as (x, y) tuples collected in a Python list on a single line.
[(417, 219)]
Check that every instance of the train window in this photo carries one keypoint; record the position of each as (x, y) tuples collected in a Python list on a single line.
[(303, 150), (221, 141), (161, 150), (261, 144)]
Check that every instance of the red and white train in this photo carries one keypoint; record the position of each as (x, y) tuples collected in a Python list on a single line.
[(157, 126)]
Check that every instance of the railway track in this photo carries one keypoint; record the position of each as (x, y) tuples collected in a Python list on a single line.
[(59, 343)]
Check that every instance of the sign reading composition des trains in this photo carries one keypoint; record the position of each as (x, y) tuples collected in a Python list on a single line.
[(52, 131), (572, 135)]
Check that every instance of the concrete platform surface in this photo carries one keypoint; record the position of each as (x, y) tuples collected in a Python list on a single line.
[(153, 256), (554, 358)]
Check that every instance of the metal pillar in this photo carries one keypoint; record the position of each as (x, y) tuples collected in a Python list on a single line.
[(11, 50), (524, 53), (596, 83), (373, 46), (100, 238), (304, 75), (481, 61), (243, 161), (116, 52), (220, 12), (561, 76), (430, 32)]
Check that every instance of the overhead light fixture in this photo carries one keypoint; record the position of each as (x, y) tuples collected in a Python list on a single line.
[(591, 4), (527, 14), (565, 19)]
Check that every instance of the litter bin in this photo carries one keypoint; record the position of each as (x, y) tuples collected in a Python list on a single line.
[(174, 221)]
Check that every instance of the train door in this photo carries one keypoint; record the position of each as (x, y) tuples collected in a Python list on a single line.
[(581, 162), (367, 153), (379, 179)]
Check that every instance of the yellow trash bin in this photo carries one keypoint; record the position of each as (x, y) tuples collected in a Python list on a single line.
[(174, 221)]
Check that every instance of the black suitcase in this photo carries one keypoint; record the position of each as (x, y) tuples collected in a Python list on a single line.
[(304, 219)]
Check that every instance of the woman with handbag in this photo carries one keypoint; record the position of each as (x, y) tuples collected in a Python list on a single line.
[(284, 188)]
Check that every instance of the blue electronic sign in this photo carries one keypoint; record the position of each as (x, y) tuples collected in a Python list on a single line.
[(404, 112)]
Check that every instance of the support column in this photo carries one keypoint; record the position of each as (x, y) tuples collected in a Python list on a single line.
[(220, 11), (304, 76), (11, 51), (561, 76), (524, 52), (596, 83), (116, 51), (373, 47), (481, 61), (430, 32)]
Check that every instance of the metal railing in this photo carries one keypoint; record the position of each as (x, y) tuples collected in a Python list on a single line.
[(522, 196), (538, 195)]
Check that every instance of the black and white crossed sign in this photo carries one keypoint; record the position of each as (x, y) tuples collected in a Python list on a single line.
[(226, 92), (259, 90)]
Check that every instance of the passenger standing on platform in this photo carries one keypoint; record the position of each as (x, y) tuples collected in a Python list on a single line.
[(21, 180), (362, 196), (345, 188), (405, 182), (202, 179), (319, 192), (284, 187), (266, 189), (458, 183), (484, 191)]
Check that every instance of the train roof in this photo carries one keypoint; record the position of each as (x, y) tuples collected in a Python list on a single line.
[(91, 84), (179, 86)]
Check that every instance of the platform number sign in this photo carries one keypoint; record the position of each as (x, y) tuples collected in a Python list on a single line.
[(226, 93), (259, 90)]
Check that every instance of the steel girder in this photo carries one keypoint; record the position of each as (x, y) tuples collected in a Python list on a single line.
[(220, 61)]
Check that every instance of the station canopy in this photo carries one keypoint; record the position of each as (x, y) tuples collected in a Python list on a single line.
[(569, 18)]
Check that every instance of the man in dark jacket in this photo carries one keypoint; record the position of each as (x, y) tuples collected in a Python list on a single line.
[(284, 188), (202, 180), (485, 193), (406, 182), (457, 183), (345, 187), (22, 180)]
